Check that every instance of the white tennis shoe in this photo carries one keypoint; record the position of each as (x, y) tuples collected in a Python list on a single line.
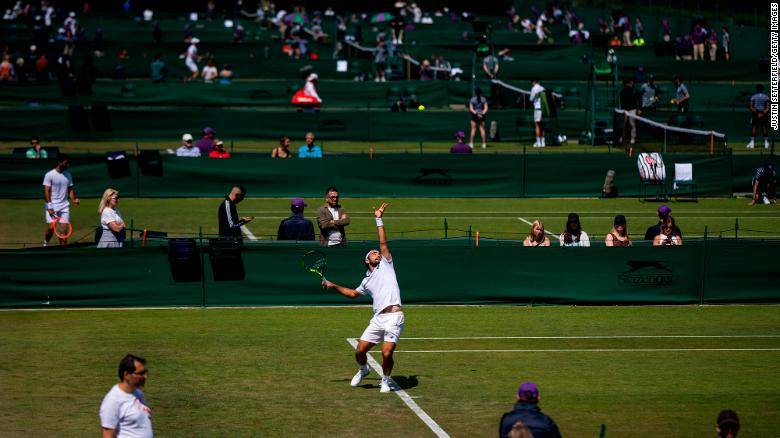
[(385, 386), (362, 372)]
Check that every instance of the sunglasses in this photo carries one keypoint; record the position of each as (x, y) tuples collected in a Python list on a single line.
[(142, 373)]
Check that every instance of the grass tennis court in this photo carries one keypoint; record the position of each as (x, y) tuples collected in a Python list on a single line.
[(21, 221), (641, 371)]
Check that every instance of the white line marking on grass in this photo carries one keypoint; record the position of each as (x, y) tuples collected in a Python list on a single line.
[(531, 223), (592, 337), (248, 233), (586, 350), (435, 428), (527, 212)]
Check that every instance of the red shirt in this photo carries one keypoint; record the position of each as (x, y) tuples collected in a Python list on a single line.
[(218, 154)]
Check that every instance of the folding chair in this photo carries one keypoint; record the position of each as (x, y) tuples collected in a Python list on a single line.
[(683, 177)]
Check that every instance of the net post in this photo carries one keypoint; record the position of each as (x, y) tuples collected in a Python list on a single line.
[(371, 152), (445, 228), (712, 143), (736, 228), (476, 240), (469, 233)]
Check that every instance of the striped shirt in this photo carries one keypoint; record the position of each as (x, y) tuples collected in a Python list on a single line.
[(759, 101)]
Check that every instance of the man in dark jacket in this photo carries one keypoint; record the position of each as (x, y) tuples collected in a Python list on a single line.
[(229, 222), (296, 227), (331, 219), (528, 412), (663, 212)]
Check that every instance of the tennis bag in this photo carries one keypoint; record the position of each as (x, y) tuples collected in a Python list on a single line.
[(651, 166)]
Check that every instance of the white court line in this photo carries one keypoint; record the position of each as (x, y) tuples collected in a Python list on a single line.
[(586, 350), (435, 428), (525, 212), (592, 337), (248, 233), (508, 217), (531, 223)]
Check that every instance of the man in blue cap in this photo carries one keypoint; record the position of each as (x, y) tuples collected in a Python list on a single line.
[(663, 212), (528, 413), (296, 227)]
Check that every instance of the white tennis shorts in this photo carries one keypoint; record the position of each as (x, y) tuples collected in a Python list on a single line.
[(537, 115), (190, 63), (64, 215), (385, 326)]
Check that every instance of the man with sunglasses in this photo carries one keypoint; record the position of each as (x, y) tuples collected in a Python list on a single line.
[(332, 218), (124, 412), (229, 222), (187, 148)]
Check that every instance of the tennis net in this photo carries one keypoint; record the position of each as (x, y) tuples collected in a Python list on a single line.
[(683, 133)]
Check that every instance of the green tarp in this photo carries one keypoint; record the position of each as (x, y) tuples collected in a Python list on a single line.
[(397, 175), (699, 272)]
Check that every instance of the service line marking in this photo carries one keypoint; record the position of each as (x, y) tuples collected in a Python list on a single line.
[(591, 337), (248, 233), (435, 428), (586, 350)]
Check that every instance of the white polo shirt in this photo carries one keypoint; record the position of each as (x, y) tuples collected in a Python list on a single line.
[(381, 285), (59, 183), (536, 96), (126, 413)]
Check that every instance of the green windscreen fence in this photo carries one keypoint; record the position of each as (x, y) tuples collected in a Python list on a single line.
[(494, 272), (396, 175)]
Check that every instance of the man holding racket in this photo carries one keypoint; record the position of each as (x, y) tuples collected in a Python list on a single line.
[(388, 322), (57, 188)]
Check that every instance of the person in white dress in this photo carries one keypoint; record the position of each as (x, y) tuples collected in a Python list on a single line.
[(111, 222)]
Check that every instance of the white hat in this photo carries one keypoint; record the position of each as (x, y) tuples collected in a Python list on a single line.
[(312, 77), (72, 14), (195, 41), (186, 137)]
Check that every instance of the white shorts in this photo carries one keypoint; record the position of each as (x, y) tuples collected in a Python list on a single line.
[(537, 115), (190, 63), (64, 215), (385, 326)]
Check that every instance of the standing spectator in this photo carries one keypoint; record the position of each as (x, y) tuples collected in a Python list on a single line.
[(310, 150), (42, 68), (36, 151), (6, 70), (209, 72), (618, 236), (624, 26), (159, 69), (759, 106), (681, 96), (57, 189), (639, 30), (663, 213), (527, 411), (426, 72), (764, 183), (397, 26), (227, 215), (206, 143), (629, 104), (540, 30), (536, 237), (124, 412), (726, 41), (219, 150), (478, 107), (380, 61), (727, 424), (191, 59), (331, 219), (283, 150), (649, 94), (187, 149), (460, 146), (712, 43), (537, 94), (699, 36), (573, 235), (112, 225), (667, 236), (490, 66), (296, 227)]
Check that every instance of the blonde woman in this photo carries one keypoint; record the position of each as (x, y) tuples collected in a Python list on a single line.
[(668, 235), (113, 234), (536, 237), (618, 236)]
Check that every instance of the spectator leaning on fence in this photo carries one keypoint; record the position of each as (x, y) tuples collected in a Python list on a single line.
[(296, 227), (310, 150), (187, 149), (527, 411), (759, 106), (573, 235)]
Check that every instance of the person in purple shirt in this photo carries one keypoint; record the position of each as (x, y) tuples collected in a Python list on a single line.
[(699, 36), (206, 143), (712, 43), (460, 147)]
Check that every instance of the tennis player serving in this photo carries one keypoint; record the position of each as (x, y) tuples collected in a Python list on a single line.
[(388, 321)]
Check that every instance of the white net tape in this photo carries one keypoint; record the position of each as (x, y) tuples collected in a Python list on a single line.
[(518, 90), (669, 127)]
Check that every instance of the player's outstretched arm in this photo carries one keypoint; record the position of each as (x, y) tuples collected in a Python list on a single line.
[(347, 292), (380, 228)]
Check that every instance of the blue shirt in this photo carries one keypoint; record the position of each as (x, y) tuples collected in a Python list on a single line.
[(305, 152)]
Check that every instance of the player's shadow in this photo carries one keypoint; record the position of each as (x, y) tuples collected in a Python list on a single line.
[(403, 382)]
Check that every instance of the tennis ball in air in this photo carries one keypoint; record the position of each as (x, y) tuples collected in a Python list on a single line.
[(421, 108)]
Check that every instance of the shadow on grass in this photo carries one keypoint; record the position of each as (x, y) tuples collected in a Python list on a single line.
[(404, 382)]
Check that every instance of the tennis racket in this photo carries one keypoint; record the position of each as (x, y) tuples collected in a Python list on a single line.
[(315, 262), (61, 230)]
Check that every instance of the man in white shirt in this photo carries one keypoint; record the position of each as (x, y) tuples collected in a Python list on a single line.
[(537, 94), (388, 321), (187, 148), (57, 188), (124, 412)]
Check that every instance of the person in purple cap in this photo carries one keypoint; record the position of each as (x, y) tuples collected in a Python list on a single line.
[(527, 412), (663, 212), (296, 227), (206, 143), (460, 147)]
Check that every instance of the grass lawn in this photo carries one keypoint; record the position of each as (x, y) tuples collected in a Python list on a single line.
[(286, 371), (22, 224)]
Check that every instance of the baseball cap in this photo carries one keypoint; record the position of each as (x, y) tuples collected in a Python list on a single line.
[(620, 220), (186, 137), (312, 77), (573, 217), (664, 211), (460, 134), (218, 143), (298, 202), (207, 130), (195, 41), (727, 417), (528, 391)]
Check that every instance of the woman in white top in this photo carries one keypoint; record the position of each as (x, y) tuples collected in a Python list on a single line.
[(209, 72), (110, 220), (667, 236), (573, 234), (536, 237)]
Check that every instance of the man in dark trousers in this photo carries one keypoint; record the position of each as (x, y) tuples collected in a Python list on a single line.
[(296, 227), (229, 222), (527, 412)]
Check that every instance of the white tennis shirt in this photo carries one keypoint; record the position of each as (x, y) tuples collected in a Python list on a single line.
[(126, 413), (59, 183), (381, 285)]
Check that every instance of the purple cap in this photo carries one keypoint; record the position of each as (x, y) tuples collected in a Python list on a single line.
[(460, 134), (664, 211), (298, 203), (528, 391), (207, 130)]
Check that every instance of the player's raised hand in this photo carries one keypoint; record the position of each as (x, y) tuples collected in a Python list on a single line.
[(378, 212)]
